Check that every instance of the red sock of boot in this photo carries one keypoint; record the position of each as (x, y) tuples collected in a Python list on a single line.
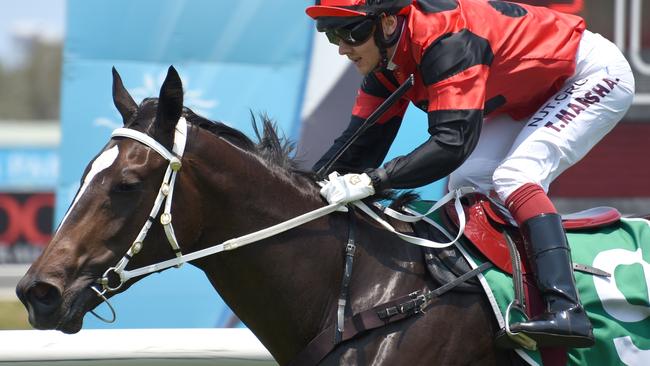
[(529, 201)]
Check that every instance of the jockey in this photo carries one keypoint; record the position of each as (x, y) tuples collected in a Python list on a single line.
[(514, 95)]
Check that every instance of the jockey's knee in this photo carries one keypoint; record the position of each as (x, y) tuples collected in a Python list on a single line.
[(508, 178), (474, 173)]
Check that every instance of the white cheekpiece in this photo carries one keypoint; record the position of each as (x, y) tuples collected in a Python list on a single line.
[(347, 188)]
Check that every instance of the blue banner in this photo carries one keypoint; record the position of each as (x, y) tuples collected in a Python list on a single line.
[(28, 169)]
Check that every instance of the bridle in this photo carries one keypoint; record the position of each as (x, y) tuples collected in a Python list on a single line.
[(166, 193)]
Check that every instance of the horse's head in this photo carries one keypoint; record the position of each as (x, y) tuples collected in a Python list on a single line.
[(104, 224)]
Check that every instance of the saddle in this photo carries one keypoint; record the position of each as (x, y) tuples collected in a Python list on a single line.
[(487, 227)]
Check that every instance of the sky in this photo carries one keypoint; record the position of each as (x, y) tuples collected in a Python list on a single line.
[(19, 17)]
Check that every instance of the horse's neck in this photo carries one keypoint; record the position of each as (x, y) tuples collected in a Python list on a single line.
[(247, 193), (281, 287), (285, 288)]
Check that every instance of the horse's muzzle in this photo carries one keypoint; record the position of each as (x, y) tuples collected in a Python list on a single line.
[(42, 300)]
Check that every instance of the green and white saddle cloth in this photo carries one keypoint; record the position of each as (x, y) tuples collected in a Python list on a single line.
[(618, 306)]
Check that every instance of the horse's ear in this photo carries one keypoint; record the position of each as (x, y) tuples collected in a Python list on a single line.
[(122, 99), (170, 101)]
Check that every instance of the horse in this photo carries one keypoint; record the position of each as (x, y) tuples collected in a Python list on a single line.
[(285, 288)]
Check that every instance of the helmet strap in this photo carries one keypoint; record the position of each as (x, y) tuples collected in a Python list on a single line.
[(384, 43)]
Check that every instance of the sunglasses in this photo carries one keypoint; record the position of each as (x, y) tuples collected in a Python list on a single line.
[(352, 35)]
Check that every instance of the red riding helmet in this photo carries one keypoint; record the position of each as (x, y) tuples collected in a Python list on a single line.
[(357, 8)]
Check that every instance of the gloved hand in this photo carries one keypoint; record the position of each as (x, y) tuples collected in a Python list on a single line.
[(347, 188)]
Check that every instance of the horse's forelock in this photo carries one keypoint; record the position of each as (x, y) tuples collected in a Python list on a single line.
[(145, 115)]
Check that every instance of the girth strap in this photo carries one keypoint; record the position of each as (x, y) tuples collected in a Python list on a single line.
[(376, 317)]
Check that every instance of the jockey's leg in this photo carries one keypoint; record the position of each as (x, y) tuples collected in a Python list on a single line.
[(558, 135), (497, 135), (564, 322)]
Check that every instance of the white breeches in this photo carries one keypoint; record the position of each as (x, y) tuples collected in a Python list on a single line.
[(512, 153)]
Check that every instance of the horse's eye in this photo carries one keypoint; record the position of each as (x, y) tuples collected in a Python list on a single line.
[(124, 187)]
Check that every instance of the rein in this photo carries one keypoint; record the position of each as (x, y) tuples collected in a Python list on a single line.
[(165, 195)]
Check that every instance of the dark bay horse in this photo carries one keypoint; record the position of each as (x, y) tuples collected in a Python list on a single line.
[(284, 288)]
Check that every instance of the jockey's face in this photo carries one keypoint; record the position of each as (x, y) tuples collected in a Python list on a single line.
[(366, 56)]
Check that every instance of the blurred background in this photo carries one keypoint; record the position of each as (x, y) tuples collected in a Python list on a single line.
[(56, 113)]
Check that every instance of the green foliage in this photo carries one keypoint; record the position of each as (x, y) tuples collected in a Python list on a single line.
[(32, 90)]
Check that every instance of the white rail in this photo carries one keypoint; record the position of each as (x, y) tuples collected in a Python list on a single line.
[(217, 347)]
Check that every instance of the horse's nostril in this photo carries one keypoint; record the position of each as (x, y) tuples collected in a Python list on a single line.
[(44, 296)]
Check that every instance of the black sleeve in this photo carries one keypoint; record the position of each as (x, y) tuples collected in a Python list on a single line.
[(368, 151), (454, 135)]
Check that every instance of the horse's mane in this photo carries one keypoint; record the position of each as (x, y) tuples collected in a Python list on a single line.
[(277, 150), (270, 146)]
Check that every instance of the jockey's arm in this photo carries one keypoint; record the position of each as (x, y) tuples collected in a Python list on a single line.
[(454, 135), (371, 147), (368, 151)]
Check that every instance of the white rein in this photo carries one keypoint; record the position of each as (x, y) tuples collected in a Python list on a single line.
[(165, 195)]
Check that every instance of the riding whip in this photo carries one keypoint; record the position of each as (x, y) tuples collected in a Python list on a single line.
[(370, 121)]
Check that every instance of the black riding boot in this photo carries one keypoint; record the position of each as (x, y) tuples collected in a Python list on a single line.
[(564, 323)]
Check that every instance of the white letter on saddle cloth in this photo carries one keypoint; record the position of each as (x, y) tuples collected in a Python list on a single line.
[(630, 354), (612, 299)]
